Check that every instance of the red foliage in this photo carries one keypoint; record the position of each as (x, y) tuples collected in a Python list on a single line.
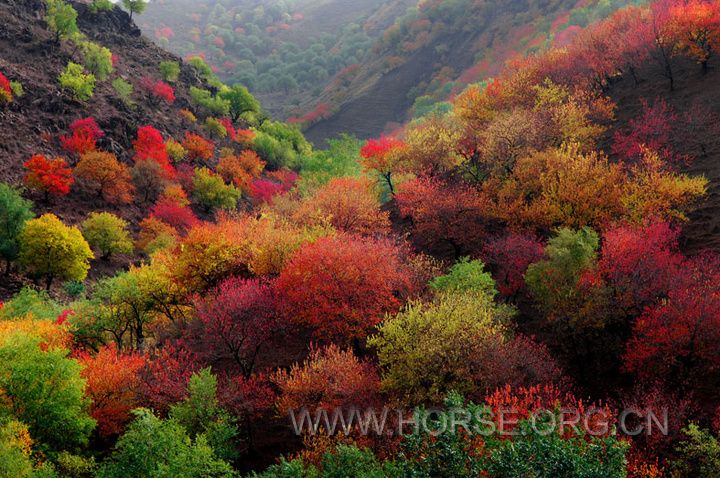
[(244, 136), (228, 125), (375, 148), (652, 130), (173, 214), (278, 182), (165, 32), (640, 263), (50, 176), (238, 318), (198, 147), (5, 87), (150, 146), (62, 318), (165, 378), (342, 286), (330, 378), (678, 340), (158, 90), (510, 256), (246, 397), (85, 133), (445, 218), (113, 384)]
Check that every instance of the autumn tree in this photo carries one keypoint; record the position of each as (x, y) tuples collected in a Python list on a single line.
[(149, 146), (107, 233), (14, 212), (150, 179), (155, 235), (348, 204), (698, 23), (241, 170), (84, 137), (50, 249), (509, 257), (179, 217), (112, 383), (6, 93), (197, 147), (238, 318), (166, 376), (48, 176), (328, 379), (102, 173), (384, 157), (337, 287)]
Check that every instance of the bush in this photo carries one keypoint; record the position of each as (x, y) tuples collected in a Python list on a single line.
[(210, 191), (61, 17), (124, 90), (14, 211), (108, 233), (215, 128), (170, 70), (17, 89), (101, 6), (213, 104), (75, 79), (98, 59), (466, 276)]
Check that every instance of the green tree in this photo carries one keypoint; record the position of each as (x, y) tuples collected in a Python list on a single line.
[(553, 281), (43, 389), (81, 84), (49, 249), (210, 191), (466, 276), (428, 349), (200, 414), (135, 6), (98, 59), (61, 17), (15, 450), (30, 301), (170, 70), (155, 448), (698, 454), (14, 211), (241, 101), (108, 233)]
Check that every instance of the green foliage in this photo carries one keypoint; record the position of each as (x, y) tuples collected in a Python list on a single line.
[(124, 90), (15, 459), (98, 59), (341, 158), (215, 128), (61, 17), (31, 302), (14, 211), (108, 233), (170, 70), (210, 191), (424, 351), (205, 72), (281, 145), (17, 89), (155, 448), (466, 276), (241, 101), (552, 281), (548, 455), (81, 84), (50, 249), (74, 288), (101, 6), (74, 466), (135, 6), (698, 454), (44, 389), (201, 414), (214, 105)]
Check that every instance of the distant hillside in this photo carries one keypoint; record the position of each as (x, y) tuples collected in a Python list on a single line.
[(433, 51), (283, 51)]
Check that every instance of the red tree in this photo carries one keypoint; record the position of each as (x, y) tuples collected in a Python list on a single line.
[(173, 214), (158, 90), (85, 134), (49, 176), (5, 90), (166, 376), (342, 286), (510, 256), (149, 146), (238, 318), (113, 383)]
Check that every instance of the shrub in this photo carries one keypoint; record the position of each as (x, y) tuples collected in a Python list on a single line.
[(170, 70), (49, 176), (6, 92), (197, 147), (17, 89), (213, 104), (175, 150), (108, 233), (75, 79), (466, 276), (215, 128), (61, 17), (105, 175), (85, 134), (101, 6), (155, 235), (158, 90), (50, 249), (210, 191), (124, 91), (98, 59)]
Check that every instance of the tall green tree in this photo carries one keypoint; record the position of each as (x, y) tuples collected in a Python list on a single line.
[(135, 6), (61, 17), (14, 211), (241, 101)]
